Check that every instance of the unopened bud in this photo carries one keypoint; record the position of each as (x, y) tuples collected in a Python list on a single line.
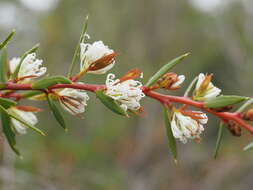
[(248, 115), (234, 129), (132, 74), (170, 81)]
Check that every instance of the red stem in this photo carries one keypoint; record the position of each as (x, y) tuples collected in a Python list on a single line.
[(164, 99)]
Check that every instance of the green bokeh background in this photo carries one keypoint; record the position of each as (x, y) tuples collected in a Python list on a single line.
[(103, 151)]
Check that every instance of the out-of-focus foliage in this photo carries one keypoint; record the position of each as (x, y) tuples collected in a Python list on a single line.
[(104, 151)]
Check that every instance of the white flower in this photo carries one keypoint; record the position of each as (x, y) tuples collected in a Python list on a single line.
[(185, 127), (73, 100), (90, 53), (180, 80), (128, 93), (30, 67), (26, 116), (209, 91)]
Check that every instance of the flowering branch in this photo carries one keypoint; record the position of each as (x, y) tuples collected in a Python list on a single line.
[(19, 79)]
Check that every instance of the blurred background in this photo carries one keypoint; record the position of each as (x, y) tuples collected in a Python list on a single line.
[(104, 151)]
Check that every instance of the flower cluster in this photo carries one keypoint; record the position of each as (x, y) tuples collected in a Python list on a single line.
[(188, 125), (128, 92), (185, 122), (73, 101)]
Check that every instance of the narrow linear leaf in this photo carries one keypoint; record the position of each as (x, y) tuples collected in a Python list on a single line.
[(110, 103), (32, 50), (10, 135), (190, 87), (31, 93), (248, 147), (245, 105), (77, 50), (27, 125), (165, 69), (49, 81), (57, 114), (172, 141), (3, 66), (219, 139), (6, 103), (223, 101), (8, 38)]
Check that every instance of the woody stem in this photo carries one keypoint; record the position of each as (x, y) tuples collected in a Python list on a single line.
[(164, 99)]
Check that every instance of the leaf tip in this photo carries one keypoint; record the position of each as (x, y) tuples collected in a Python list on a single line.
[(43, 134), (87, 17), (186, 54)]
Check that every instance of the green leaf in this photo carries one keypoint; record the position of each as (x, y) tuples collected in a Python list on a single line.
[(171, 139), (32, 50), (110, 103), (8, 38), (223, 101), (57, 114), (50, 81), (248, 147), (6, 103), (165, 69), (7, 130), (219, 138), (77, 50), (245, 105), (27, 125), (31, 93), (3, 66)]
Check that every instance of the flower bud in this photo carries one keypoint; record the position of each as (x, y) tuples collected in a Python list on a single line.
[(132, 74), (235, 129), (170, 81), (248, 115)]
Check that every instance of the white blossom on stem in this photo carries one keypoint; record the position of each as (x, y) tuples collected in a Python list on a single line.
[(188, 127), (73, 100), (96, 58), (177, 84), (28, 117), (30, 67), (128, 93), (205, 90)]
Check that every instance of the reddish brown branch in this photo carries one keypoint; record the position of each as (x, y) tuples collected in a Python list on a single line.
[(164, 99)]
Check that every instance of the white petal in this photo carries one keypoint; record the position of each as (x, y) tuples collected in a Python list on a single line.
[(201, 78), (181, 79), (90, 53), (19, 127)]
